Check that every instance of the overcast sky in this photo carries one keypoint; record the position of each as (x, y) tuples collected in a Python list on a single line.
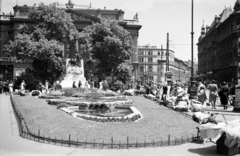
[(157, 17)]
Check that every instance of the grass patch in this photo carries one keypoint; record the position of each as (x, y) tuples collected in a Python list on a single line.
[(158, 121)]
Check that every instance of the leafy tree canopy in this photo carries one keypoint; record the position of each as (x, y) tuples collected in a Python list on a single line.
[(110, 46), (42, 42)]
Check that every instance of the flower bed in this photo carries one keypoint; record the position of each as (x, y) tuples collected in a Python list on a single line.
[(133, 117), (122, 103)]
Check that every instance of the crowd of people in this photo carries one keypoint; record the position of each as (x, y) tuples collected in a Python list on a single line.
[(91, 84), (196, 91)]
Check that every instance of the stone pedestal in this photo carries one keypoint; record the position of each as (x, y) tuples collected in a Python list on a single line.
[(73, 73)]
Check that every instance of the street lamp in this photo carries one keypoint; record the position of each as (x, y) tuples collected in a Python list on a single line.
[(192, 35), (145, 62)]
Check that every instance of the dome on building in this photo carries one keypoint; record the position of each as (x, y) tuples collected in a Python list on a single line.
[(237, 6)]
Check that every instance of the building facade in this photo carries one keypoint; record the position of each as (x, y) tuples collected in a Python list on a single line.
[(218, 46), (152, 65), (82, 16)]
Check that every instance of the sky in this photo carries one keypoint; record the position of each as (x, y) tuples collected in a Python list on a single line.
[(157, 17)]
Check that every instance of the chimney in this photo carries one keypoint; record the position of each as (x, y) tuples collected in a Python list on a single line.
[(207, 28), (217, 19)]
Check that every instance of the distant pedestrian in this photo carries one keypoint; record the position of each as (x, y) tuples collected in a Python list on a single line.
[(58, 86), (105, 85), (79, 84), (223, 94), (74, 85), (201, 92), (213, 93), (10, 86)]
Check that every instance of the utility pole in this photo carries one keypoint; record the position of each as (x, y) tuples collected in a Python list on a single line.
[(167, 54), (192, 35)]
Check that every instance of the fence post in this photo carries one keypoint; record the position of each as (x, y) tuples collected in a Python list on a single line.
[(62, 140), (55, 140), (145, 144), (34, 136), (153, 143), (85, 143), (43, 138), (112, 143), (127, 141), (136, 144), (169, 139), (103, 144), (69, 140), (49, 139), (94, 143), (161, 142), (180, 139), (38, 134), (175, 141), (119, 144), (77, 142)]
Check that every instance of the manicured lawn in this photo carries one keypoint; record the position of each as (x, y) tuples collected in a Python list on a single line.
[(158, 121)]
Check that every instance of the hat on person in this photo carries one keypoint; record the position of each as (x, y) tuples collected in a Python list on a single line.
[(213, 81)]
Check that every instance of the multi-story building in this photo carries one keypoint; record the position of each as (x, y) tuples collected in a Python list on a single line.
[(152, 65), (217, 46), (82, 16)]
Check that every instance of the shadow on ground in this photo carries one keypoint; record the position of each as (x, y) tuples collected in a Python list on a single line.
[(205, 151)]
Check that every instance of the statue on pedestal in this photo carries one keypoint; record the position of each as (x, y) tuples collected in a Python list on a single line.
[(74, 68)]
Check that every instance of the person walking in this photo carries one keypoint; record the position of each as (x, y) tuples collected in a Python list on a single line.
[(223, 94), (213, 93), (201, 92), (10, 86)]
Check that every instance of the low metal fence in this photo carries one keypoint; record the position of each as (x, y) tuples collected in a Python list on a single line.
[(109, 144)]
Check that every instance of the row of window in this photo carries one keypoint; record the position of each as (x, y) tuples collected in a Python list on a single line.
[(160, 53), (227, 31), (228, 45)]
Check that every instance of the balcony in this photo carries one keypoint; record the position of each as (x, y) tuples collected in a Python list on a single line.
[(6, 16)]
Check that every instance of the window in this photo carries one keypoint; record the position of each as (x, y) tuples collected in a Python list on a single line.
[(141, 59), (141, 68), (159, 53), (150, 69), (150, 59), (140, 52), (149, 52), (162, 53)]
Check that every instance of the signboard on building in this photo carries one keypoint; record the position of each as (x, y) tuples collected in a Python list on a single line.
[(168, 74)]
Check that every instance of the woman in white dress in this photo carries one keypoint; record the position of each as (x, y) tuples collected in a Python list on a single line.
[(23, 84), (100, 85)]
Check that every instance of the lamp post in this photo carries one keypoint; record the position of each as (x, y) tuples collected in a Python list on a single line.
[(145, 63), (192, 35)]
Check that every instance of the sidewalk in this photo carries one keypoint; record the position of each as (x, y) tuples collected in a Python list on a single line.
[(11, 144)]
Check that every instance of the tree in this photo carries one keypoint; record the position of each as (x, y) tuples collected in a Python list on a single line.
[(41, 43), (109, 46)]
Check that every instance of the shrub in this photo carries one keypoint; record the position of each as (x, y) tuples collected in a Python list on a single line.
[(56, 93), (71, 91), (61, 105)]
